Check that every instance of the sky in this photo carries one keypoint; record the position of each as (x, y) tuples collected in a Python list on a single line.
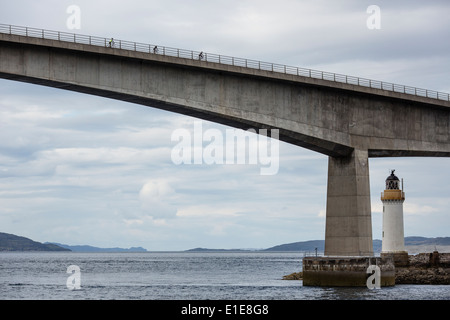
[(80, 169)]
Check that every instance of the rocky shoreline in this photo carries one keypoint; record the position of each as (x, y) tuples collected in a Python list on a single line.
[(423, 268)]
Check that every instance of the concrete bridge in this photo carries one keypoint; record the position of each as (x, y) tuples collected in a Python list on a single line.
[(347, 118)]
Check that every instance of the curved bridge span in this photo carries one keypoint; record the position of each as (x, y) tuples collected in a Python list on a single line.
[(346, 118)]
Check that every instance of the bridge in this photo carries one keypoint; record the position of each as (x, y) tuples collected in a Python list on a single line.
[(346, 118)]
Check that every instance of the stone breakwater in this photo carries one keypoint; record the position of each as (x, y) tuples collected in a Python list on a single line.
[(423, 268), (294, 276)]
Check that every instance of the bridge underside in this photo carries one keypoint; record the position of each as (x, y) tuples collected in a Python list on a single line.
[(345, 122), (297, 138)]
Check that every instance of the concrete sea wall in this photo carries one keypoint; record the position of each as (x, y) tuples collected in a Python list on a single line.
[(424, 268), (345, 271)]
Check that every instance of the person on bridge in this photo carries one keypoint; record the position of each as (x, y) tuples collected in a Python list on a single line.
[(155, 50), (111, 42), (200, 56)]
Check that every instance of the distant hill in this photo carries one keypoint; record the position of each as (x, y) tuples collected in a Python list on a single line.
[(216, 250), (310, 246), (11, 242), (413, 245), (86, 248), (420, 244), (414, 241)]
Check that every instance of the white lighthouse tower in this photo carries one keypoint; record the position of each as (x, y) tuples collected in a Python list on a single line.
[(393, 242)]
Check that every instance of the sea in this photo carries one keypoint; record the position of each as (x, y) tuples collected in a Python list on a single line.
[(226, 275)]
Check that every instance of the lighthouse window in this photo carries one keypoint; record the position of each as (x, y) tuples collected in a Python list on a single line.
[(392, 185)]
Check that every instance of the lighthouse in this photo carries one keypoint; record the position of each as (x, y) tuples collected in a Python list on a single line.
[(393, 243)]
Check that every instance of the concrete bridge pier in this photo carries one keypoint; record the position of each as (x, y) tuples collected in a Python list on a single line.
[(348, 217), (348, 232)]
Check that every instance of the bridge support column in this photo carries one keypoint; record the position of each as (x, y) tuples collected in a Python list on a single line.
[(348, 217)]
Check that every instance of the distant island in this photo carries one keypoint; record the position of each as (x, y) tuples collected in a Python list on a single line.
[(11, 242), (413, 245), (86, 248), (219, 250)]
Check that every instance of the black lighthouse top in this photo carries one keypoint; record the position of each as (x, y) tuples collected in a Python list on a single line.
[(392, 182)]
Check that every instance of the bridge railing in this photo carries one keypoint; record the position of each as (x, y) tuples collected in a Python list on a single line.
[(221, 59)]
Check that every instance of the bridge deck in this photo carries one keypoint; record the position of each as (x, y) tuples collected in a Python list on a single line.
[(218, 62)]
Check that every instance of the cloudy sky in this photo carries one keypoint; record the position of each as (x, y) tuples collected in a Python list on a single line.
[(80, 169)]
